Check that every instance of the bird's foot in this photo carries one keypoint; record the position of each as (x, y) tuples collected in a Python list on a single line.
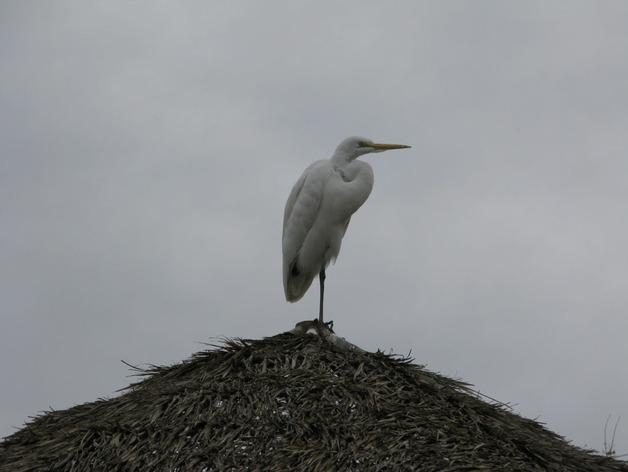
[(325, 332), (315, 327)]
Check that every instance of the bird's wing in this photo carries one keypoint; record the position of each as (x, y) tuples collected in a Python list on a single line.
[(294, 195), (299, 216)]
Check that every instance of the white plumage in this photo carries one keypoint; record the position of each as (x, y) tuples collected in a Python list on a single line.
[(318, 211)]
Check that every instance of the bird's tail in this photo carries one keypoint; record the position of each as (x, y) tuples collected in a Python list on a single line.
[(295, 281)]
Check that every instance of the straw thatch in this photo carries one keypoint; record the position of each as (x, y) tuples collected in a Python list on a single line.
[(292, 402)]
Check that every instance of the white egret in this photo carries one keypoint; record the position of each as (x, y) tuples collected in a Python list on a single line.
[(318, 211)]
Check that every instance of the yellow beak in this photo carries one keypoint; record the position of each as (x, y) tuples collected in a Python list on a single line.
[(386, 147)]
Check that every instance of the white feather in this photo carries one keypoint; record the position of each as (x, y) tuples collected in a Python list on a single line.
[(316, 217), (318, 212)]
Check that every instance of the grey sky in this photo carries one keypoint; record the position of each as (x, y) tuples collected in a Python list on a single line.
[(147, 149)]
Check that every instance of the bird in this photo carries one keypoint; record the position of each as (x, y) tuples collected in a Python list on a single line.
[(318, 211)]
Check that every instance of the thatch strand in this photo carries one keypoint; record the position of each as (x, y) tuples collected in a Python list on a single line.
[(292, 402)]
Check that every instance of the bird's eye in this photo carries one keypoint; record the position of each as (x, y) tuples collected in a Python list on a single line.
[(362, 144)]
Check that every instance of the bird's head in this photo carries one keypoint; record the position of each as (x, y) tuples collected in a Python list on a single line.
[(356, 146)]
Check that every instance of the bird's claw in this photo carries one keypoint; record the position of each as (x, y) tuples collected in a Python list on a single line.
[(314, 326)]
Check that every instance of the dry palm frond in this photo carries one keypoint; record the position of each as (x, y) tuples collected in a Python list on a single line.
[(292, 403)]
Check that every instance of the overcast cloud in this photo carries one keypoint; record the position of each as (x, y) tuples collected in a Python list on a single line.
[(147, 149)]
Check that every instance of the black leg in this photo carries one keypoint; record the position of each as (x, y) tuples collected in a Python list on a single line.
[(321, 278)]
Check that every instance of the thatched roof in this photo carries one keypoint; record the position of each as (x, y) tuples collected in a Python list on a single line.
[(292, 403)]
